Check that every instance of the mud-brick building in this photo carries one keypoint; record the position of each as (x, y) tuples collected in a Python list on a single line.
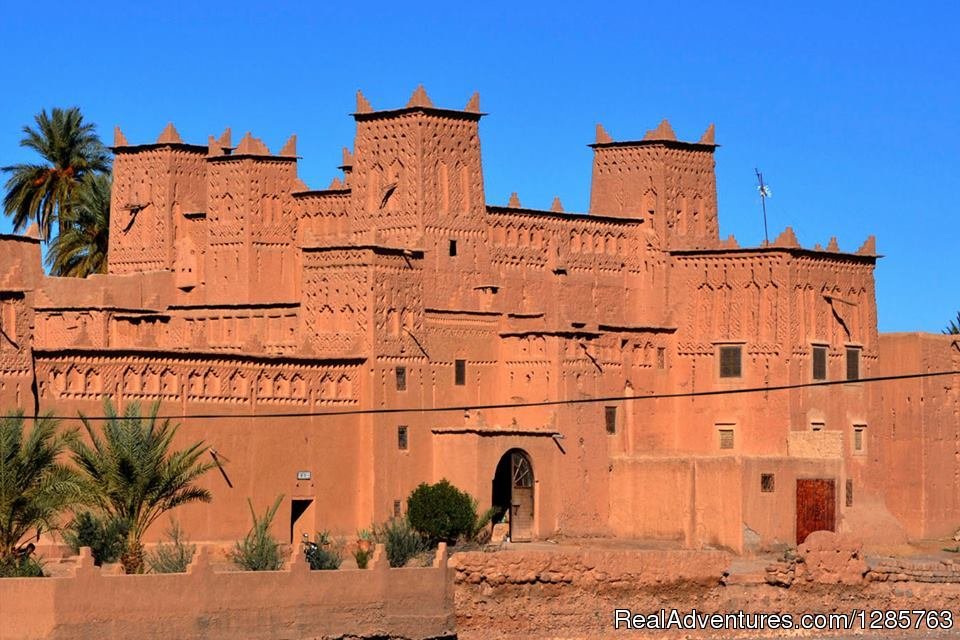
[(270, 318)]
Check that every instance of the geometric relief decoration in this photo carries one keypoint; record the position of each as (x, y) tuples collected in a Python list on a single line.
[(168, 380)]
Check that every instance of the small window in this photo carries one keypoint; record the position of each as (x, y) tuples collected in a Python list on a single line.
[(402, 441), (726, 438), (610, 415), (859, 435), (401, 378), (453, 248), (853, 363), (766, 482), (661, 357), (819, 363), (396, 508), (730, 362), (817, 426), (849, 492), (460, 372)]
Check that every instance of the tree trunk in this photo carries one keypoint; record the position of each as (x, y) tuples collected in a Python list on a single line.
[(132, 558)]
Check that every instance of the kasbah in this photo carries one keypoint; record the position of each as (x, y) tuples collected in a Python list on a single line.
[(589, 374)]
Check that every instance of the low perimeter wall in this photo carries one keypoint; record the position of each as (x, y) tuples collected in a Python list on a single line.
[(379, 602)]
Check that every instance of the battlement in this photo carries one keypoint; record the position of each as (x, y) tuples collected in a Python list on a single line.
[(419, 103), (669, 182)]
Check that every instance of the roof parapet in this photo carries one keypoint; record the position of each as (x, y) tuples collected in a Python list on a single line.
[(787, 238), (869, 247), (663, 132), (709, 136), (420, 98), (602, 136), (473, 104), (363, 105), (289, 149), (420, 101), (169, 135)]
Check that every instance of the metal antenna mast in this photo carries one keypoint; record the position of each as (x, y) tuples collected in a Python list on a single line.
[(764, 194)]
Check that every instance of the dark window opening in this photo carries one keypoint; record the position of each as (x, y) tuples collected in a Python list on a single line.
[(858, 437), (402, 441), (661, 357), (726, 438), (853, 363), (460, 372), (819, 363), (849, 492), (401, 378), (396, 509), (816, 426), (610, 416), (453, 248), (730, 357), (766, 482)]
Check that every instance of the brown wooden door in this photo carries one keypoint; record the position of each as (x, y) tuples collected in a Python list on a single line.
[(521, 498), (816, 507)]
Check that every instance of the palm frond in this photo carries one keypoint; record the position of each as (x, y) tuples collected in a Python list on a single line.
[(138, 476), (43, 192)]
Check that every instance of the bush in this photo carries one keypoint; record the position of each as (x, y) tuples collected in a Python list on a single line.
[(400, 540), (481, 531), (323, 554), (173, 556), (106, 536), (258, 551), (441, 512), (362, 556), (25, 567)]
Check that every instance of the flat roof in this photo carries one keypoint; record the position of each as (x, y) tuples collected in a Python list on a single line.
[(676, 144), (435, 111), (776, 249), (562, 215)]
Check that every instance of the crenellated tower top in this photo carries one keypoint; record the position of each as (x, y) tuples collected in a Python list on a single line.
[(667, 182)]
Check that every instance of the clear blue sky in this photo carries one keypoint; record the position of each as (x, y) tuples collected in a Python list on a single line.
[(852, 113)]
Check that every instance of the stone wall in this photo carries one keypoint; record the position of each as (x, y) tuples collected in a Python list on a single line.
[(572, 594), (590, 567), (409, 603)]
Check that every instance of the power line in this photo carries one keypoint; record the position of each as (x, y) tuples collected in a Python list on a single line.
[(521, 405)]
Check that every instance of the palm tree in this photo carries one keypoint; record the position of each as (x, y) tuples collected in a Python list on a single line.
[(42, 192), (133, 474), (81, 247), (35, 488), (954, 326)]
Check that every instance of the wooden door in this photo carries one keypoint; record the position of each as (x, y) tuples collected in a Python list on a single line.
[(816, 507), (521, 498)]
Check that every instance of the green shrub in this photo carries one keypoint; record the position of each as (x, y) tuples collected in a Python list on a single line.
[(258, 551), (400, 540), (106, 536), (25, 567), (173, 556), (441, 512), (362, 556), (480, 533), (324, 554)]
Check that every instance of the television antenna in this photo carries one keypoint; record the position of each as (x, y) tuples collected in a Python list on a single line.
[(765, 193)]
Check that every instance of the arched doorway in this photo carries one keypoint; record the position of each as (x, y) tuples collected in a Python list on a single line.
[(513, 493)]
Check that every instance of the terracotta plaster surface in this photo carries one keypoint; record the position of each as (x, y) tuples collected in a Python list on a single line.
[(235, 289), (295, 602)]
